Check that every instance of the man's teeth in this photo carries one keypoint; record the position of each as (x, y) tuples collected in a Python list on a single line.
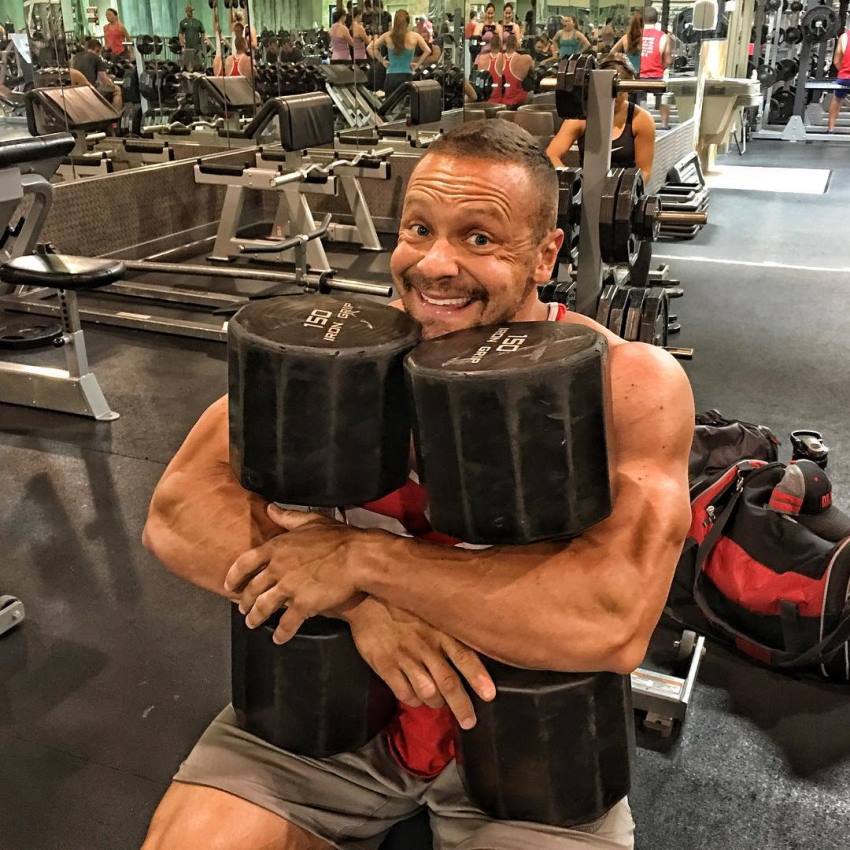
[(444, 302)]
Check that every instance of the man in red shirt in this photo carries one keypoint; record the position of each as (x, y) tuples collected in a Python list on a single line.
[(419, 607), (655, 58), (842, 64), (469, 29)]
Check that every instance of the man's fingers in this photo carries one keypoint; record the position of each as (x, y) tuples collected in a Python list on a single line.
[(471, 668), (423, 685), (397, 682), (264, 606), (245, 567), (453, 691), (261, 582), (290, 622)]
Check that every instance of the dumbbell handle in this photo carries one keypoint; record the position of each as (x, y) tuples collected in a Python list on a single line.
[(673, 217), (658, 86)]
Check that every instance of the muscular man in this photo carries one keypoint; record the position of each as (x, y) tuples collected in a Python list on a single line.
[(655, 58), (468, 254), (842, 64)]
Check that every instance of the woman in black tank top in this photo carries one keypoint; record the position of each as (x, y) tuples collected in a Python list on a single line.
[(633, 136)]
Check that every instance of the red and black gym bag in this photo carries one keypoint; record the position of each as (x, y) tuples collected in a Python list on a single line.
[(767, 560)]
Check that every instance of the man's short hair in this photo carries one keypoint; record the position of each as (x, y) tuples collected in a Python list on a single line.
[(92, 44), (114, 12), (650, 15), (504, 142)]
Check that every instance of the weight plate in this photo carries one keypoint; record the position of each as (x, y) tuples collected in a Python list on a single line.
[(607, 213), (603, 309), (793, 35), (654, 317), (635, 313), (626, 242), (22, 334), (819, 24), (619, 310)]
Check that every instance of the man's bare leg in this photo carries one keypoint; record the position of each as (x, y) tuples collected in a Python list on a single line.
[(834, 109), (194, 816)]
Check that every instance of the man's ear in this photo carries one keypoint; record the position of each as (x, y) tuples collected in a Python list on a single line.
[(547, 255)]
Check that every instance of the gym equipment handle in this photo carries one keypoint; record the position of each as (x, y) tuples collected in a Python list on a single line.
[(291, 241), (685, 218), (310, 280), (640, 85)]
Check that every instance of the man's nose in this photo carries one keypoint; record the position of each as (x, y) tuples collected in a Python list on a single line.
[(440, 260)]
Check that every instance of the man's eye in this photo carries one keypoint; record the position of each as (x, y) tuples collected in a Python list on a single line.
[(480, 240), (419, 229)]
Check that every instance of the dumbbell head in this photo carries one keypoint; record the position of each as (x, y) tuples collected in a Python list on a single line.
[(511, 427), (318, 410)]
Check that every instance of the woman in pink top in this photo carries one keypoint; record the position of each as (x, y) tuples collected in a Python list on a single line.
[(341, 39)]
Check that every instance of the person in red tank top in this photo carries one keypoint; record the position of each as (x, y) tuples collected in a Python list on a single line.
[(423, 608), (489, 63), (655, 57), (515, 68), (115, 34), (841, 60)]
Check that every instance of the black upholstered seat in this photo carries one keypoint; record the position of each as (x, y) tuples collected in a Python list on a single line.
[(61, 271)]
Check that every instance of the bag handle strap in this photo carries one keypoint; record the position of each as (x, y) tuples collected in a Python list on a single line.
[(820, 652)]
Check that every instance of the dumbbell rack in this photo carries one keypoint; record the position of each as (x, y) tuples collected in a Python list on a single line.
[(640, 313)]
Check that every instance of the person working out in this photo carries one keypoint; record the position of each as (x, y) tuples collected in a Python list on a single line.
[(633, 137), (488, 66), (569, 39), (514, 68), (341, 40), (841, 60), (510, 26), (468, 254), (401, 45), (191, 35), (606, 35), (469, 28), (488, 27), (115, 34), (360, 36), (655, 59), (289, 52), (631, 43), (88, 68), (237, 64)]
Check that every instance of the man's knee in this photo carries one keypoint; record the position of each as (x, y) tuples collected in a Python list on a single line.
[(192, 816)]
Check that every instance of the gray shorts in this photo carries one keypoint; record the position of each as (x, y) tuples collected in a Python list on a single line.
[(352, 800)]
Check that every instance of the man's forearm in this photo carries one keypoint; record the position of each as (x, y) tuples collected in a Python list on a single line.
[(549, 606)]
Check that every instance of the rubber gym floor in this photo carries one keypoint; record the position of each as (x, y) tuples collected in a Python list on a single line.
[(120, 666)]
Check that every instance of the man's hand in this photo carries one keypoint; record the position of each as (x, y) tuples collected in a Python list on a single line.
[(419, 663), (305, 570)]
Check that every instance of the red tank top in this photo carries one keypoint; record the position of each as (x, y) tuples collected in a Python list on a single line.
[(496, 77), (514, 93), (844, 70), (234, 69), (421, 739), (113, 35), (651, 60)]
